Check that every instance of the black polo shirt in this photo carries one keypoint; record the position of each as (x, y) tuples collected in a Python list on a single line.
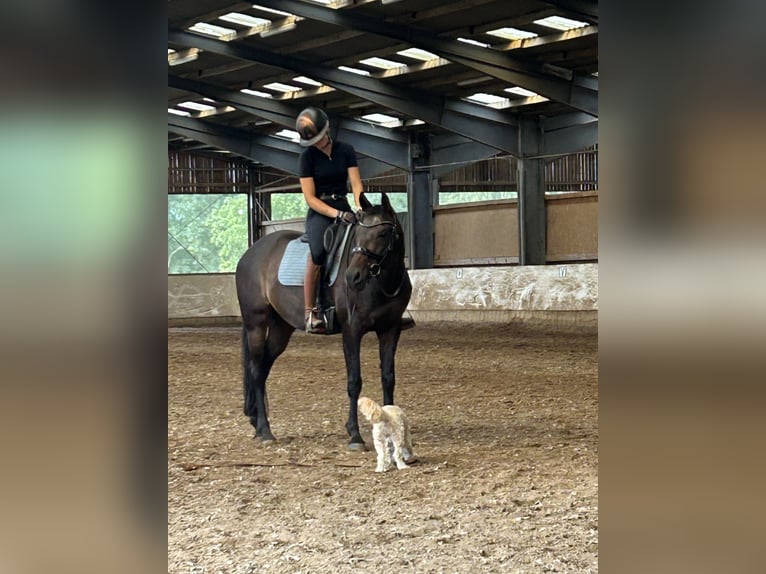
[(330, 173)]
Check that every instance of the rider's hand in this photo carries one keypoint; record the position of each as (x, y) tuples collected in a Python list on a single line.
[(346, 216)]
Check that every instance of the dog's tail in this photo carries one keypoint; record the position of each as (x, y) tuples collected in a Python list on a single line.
[(370, 409)]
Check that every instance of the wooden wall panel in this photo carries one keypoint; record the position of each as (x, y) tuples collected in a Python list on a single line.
[(572, 228), (476, 234)]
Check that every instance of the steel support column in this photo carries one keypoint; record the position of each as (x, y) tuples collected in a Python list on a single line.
[(420, 207), (253, 227), (531, 195)]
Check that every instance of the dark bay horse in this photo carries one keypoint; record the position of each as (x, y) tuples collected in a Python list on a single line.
[(371, 293)]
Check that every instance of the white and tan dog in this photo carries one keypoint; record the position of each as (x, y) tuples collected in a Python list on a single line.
[(390, 433)]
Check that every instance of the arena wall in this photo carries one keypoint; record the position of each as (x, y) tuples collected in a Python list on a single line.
[(560, 296)]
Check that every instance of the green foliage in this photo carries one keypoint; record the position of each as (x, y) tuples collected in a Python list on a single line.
[(453, 197), (398, 200), (206, 233), (228, 230), (287, 206), (293, 206)]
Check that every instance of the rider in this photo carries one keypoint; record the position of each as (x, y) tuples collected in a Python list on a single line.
[(325, 169)]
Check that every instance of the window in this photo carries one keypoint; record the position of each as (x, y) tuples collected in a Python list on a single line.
[(288, 206), (206, 233), (453, 197), (398, 200)]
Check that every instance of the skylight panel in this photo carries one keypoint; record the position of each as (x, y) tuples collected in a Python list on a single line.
[(279, 87), (354, 70), (380, 118), (256, 93), (381, 63), (178, 112), (196, 106), (244, 19), (512, 33), (305, 80), (417, 54), (489, 100), (561, 23), (334, 4), (288, 135), (271, 10), (518, 90), (178, 58), (213, 30), (473, 42), (383, 119)]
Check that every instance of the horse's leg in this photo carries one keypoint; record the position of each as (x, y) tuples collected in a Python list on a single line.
[(253, 341), (387, 342), (276, 341), (264, 346), (352, 341)]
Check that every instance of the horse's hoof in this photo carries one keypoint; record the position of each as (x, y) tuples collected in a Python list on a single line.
[(265, 438), (357, 446)]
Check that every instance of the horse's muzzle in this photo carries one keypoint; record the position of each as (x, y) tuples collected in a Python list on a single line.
[(355, 278)]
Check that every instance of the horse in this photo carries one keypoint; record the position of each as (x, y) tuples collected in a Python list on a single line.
[(371, 294)]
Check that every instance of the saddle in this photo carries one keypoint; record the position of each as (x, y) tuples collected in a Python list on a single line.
[(334, 240), (292, 269)]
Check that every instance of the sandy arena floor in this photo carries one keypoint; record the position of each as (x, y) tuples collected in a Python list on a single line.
[(504, 421)]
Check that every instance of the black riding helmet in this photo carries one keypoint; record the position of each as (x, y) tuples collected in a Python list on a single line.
[(311, 124)]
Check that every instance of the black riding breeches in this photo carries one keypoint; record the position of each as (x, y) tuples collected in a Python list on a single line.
[(316, 224)]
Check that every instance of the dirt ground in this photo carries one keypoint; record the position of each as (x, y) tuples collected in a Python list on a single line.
[(504, 422)]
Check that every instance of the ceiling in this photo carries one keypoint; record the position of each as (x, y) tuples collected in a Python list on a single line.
[(552, 74)]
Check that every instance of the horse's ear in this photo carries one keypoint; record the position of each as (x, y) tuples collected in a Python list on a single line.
[(386, 203), (364, 202)]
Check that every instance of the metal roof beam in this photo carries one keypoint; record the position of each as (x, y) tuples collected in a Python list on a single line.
[(276, 112), (583, 9), (482, 124), (264, 149), (570, 139), (373, 141), (450, 152), (269, 150), (566, 120), (491, 62)]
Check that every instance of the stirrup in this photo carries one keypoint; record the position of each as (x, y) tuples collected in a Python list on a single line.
[(407, 323), (314, 323)]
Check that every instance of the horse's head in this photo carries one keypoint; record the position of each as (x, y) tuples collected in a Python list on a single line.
[(378, 243)]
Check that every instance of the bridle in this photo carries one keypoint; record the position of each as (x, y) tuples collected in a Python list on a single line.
[(378, 258)]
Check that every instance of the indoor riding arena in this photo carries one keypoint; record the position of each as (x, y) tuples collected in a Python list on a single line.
[(497, 195)]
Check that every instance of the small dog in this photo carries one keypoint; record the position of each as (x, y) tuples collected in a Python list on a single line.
[(390, 433)]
